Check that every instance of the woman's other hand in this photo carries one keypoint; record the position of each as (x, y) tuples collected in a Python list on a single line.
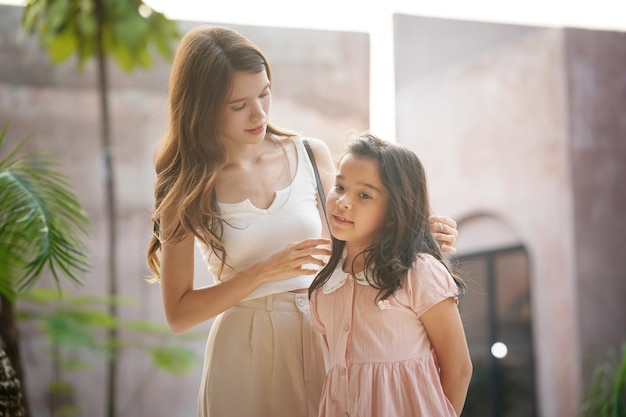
[(445, 233)]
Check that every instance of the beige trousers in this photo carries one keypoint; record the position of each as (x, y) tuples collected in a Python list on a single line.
[(263, 359)]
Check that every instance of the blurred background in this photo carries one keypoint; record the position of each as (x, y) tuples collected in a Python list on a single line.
[(518, 113)]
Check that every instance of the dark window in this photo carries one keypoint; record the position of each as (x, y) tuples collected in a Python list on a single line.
[(497, 318)]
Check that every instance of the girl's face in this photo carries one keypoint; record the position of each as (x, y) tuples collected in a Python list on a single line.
[(244, 118), (357, 204)]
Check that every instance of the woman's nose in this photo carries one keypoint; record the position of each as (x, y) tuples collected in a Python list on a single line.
[(257, 112)]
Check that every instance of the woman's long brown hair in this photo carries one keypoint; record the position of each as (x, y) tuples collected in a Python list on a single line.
[(191, 155)]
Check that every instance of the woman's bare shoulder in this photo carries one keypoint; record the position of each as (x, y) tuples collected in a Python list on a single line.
[(317, 145)]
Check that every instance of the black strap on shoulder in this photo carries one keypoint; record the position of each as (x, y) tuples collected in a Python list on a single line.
[(320, 187)]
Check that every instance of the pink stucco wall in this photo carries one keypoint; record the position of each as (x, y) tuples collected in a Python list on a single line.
[(525, 125)]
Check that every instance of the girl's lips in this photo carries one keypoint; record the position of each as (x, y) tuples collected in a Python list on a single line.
[(341, 220)]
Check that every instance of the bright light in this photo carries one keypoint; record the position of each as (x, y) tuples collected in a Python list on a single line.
[(145, 11), (499, 350)]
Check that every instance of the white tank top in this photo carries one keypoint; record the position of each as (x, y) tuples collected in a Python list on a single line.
[(252, 234)]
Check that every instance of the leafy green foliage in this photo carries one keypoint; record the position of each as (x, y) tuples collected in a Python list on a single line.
[(173, 359), (76, 322), (606, 396), (41, 221), (62, 395), (129, 30)]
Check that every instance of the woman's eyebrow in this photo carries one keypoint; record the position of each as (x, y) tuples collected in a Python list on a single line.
[(243, 98)]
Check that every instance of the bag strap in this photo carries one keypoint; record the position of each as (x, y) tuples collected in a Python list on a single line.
[(320, 187)]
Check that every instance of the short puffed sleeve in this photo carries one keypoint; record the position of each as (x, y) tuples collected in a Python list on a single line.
[(426, 284)]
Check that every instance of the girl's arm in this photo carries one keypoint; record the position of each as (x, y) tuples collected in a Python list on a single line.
[(186, 306), (445, 330)]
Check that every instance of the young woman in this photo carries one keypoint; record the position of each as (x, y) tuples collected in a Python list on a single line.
[(386, 302), (244, 191)]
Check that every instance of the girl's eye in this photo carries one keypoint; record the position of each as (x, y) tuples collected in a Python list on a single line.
[(338, 187), (364, 196)]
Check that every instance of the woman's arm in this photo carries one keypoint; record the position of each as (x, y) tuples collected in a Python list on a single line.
[(445, 331), (186, 306)]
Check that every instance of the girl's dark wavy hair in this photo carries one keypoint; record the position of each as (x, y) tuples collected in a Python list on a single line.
[(406, 232)]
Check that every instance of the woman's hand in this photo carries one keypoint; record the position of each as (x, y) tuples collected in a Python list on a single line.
[(296, 259), (186, 306), (444, 231)]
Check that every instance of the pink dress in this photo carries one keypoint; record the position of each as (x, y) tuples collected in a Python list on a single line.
[(381, 362)]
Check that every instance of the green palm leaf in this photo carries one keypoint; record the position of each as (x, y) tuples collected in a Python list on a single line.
[(41, 221)]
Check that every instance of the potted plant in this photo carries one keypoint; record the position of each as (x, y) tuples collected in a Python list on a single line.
[(606, 396), (41, 226)]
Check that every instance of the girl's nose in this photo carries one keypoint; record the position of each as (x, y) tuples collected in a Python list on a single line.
[(343, 202)]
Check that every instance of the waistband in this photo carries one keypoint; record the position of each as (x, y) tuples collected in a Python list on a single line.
[(284, 301)]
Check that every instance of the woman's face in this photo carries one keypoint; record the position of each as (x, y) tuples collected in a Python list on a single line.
[(357, 204), (244, 118)]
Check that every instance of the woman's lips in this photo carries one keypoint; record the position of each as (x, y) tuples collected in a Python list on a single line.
[(257, 130)]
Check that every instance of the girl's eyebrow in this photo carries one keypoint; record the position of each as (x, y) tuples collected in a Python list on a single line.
[(362, 184), (243, 98)]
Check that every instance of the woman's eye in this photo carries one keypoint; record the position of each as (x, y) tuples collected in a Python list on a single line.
[(243, 106)]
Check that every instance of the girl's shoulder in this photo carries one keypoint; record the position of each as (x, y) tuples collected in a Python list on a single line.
[(426, 281), (426, 261)]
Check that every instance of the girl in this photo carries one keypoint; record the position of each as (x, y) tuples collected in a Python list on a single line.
[(386, 302), (244, 191)]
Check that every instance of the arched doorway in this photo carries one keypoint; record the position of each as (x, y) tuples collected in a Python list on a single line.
[(496, 312)]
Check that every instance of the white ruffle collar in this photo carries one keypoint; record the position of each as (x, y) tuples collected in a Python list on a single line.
[(338, 278)]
